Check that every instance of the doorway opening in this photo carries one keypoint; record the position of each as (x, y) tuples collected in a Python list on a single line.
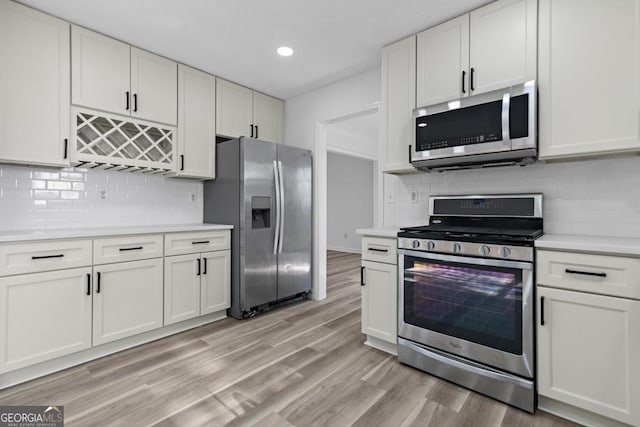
[(350, 141)]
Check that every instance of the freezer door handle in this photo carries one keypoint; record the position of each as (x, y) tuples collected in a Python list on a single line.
[(281, 238), (276, 235)]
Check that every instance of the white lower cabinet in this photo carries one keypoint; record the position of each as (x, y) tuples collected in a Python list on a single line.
[(588, 348), (215, 289), (44, 316), (127, 299), (196, 284), (379, 284), (378, 293)]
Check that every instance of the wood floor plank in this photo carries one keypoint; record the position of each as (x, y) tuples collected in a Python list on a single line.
[(298, 365)]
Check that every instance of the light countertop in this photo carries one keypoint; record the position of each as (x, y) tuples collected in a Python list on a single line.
[(379, 232), (75, 233), (593, 244)]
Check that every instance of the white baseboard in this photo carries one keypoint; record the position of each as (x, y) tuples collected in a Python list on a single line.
[(339, 249), (18, 376), (382, 345), (577, 415)]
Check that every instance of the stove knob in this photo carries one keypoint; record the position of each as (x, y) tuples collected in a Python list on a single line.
[(505, 252), (415, 244), (484, 250), (457, 248), (430, 245)]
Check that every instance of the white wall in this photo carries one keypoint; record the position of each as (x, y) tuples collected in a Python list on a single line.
[(349, 200), (41, 198), (594, 197), (302, 113)]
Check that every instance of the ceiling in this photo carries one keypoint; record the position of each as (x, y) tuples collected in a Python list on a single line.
[(237, 39)]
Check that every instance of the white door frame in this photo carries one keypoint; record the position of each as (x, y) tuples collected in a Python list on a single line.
[(320, 190)]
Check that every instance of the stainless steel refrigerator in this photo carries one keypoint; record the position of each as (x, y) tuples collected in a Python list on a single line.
[(265, 191)]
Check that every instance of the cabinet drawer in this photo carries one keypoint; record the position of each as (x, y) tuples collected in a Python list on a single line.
[(600, 274), (33, 257), (380, 249), (196, 242), (129, 248)]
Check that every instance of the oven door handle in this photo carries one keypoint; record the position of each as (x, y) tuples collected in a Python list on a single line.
[(489, 262)]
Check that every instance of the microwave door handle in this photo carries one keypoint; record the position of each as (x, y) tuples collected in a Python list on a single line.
[(506, 102)]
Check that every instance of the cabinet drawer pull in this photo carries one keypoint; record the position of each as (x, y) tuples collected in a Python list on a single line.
[(138, 248), (98, 283), (378, 250), (541, 311), (362, 276), (88, 283), (585, 273), (204, 270), (48, 256), (202, 242)]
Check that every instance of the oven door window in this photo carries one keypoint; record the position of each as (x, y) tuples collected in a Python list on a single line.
[(481, 304)]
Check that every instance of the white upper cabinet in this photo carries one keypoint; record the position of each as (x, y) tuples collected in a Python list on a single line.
[(242, 112), (234, 109), (589, 78), (100, 68), (398, 102), (34, 86), (503, 40), (154, 86), (443, 62), (196, 123), (112, 76), (490, 48), (268, 117)]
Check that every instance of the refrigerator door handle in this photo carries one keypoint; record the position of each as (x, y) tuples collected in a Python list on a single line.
[(281, 238), (276, 235)]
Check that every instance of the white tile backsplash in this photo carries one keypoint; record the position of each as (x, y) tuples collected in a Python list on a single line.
[(42, 198), (595, 197)]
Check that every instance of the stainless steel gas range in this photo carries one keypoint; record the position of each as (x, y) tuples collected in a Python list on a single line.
[(466, 294)]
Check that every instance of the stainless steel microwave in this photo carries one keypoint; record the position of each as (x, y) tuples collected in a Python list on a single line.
[(490, 129)]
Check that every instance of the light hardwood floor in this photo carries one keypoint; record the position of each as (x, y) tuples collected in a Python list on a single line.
[(301, 365)]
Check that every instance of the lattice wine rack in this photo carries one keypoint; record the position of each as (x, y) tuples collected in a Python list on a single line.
[(106, 141)]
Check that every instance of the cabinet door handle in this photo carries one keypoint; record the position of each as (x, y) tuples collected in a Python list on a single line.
[(66, 148), (464, 73), (135, 102), (198, 262), (362, 276), (585, 273), (471, 79), (48, 256), (541, 311), (378, 250), (251, 131), (181, 162), (127, 97), (98, 283), (256, 131), (88, 283), (204, 270), (137, 248), (410, 154), (202, 242)]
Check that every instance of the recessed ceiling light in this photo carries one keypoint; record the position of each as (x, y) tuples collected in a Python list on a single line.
[(284, 51)]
